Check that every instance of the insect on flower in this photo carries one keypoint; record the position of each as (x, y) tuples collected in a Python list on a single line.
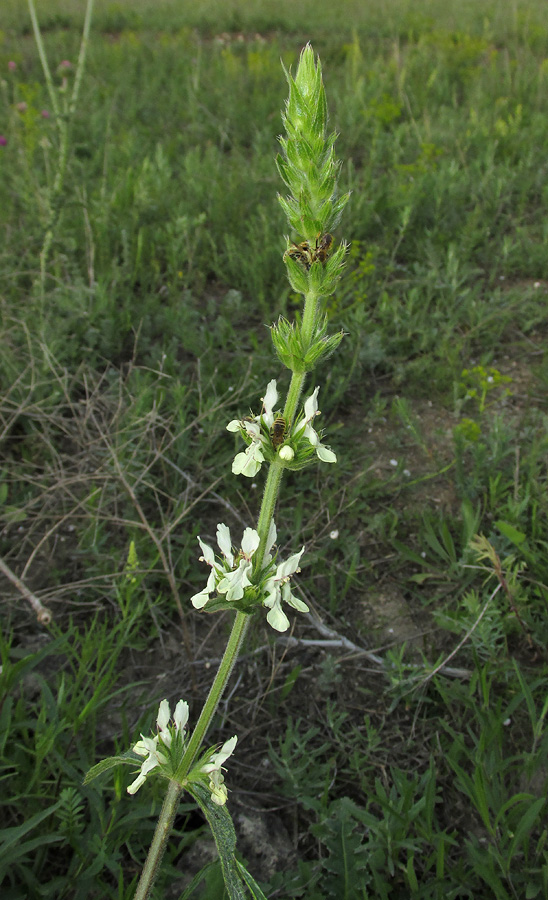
[(306, 254), (278, 431), (301, 253), (323, 246)]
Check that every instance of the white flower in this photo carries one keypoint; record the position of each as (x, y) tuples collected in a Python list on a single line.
[(213, 768), (226, 577), (154, 757), (269, 402), (148, 747), (249, 461), (277, 589), (310, 412)]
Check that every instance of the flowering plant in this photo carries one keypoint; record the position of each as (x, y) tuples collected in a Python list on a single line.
[(249, 577)]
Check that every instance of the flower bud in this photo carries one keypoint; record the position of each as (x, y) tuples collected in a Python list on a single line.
[(286, 453)]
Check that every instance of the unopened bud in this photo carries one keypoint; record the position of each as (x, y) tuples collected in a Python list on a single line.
[(286, 453)]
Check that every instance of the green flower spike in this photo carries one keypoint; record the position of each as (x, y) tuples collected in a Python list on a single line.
[(309, 168)]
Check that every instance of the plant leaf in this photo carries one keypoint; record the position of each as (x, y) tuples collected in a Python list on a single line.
[(222, 829)]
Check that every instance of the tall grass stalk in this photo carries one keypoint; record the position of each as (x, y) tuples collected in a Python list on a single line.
[(64, 113)]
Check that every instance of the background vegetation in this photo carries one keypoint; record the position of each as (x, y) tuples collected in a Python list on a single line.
[(366, 768)]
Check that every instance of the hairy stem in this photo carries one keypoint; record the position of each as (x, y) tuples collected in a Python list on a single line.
[(298, 378), (237, 635), (159, 841), (268, 506)]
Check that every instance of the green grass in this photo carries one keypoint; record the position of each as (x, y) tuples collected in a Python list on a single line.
[(117, 385)]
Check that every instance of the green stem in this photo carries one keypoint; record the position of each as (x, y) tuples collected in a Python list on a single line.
[(298, 378), (268, 506), (235, 641), (293, 394), (159, 841)]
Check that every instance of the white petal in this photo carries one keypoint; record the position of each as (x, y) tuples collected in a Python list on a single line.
[(151, 763), (226, 750), (225, 543), (253, 429), (271, 539), (180, 716), (251, 469), (199, 600), (269, 402), (163, 715), (140, 748), (255, 451), (219, 758), (233, 583), (254, 459), (293, 601), (208, 554), (277, 618), (286, 453), (239, 463), (250, 542), (151, 744), (325, 454), (249, 462), (135, 785), (272, 595), (311, 435), (234, 425), (290, 566), (219, 793), (311, 405)]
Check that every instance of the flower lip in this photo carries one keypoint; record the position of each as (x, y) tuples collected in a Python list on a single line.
[(217, 759), (310, 412), (278, 590)]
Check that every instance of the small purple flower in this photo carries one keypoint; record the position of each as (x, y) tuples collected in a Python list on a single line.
[(3, 140), (65, 65), (45, 114), (21, 107), (12, 66)]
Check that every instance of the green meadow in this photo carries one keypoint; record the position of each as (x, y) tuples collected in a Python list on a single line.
[(393, 745)]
